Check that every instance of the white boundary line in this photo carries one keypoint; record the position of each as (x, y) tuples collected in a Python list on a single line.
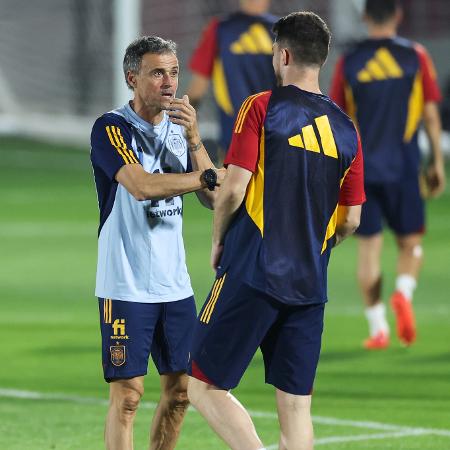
[(391, 431)]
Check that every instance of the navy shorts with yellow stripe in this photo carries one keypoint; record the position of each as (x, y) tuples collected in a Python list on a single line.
[(236, 319), (399, 204), (132, 331)]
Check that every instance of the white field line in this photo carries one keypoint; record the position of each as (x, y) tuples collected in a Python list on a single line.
[(393, 430), (360, 437)]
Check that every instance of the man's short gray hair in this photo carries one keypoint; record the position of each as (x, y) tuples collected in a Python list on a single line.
[(139, 47)]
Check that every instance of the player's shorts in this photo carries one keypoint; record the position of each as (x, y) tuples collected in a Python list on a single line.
[(237, 319), (131, 331), (399, 204)]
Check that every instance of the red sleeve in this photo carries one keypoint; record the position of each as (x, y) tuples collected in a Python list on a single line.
[(431, 91), (352, 189), (244, 147), (337, 91), (202, 60)]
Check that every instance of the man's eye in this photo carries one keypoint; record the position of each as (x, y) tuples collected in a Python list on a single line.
[(158, 73), (174, 74)]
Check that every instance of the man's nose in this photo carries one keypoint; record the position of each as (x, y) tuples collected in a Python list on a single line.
[(167, 80)]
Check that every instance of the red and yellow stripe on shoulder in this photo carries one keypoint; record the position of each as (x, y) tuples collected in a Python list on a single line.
[(245, 108), (117, 141)]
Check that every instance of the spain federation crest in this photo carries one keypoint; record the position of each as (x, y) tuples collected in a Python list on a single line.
[(176, 144), (117, 354)]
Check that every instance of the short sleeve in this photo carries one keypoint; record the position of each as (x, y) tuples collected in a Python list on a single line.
[(244, 147), (431, 91), (352, 189), (111, 145), (337, 89), (202, 60)]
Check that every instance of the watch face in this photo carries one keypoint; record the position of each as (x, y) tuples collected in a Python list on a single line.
[(210, 177)]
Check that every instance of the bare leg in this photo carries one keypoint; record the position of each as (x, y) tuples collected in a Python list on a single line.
[(294, 414), (369, 269), (410, 255), (169, 414), (408, 267), (226, 416), (124, 400), (369, 278)]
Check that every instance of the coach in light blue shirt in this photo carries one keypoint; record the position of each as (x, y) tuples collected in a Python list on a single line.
[(145, 156)]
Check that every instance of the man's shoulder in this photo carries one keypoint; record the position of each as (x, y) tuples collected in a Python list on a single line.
[(112, 118)]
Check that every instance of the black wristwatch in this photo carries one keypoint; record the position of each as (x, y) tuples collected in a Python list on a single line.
[(209, 176)]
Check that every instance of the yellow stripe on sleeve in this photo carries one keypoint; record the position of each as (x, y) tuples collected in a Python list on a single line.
[(125, 148), (241, 110), (240, 124), (110, 132)]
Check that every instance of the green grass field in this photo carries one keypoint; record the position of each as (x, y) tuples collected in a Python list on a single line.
[(52, 394)]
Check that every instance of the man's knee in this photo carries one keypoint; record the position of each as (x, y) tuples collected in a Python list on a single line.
[(196, 390), (125, 397), (411, 247), (176, 396)]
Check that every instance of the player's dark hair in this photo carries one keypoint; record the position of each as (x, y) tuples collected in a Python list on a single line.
[(306, 35), (139, 47), (380, 11)]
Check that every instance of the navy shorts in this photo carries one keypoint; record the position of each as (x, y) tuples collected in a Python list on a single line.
[(131, 331), (237, 319), (400, 204)]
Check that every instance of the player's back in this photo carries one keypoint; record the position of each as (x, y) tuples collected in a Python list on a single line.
[(384, 95), (279, 242), (244, 62)]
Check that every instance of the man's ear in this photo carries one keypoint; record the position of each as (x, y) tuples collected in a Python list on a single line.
[(285, 56), (131, 78)]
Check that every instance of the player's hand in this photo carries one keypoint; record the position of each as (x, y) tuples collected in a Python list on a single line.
[(435, 178), (216, 253), (183, 113)]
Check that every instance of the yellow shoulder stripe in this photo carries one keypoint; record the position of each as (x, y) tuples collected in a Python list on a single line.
[(117, 141), (244, 111)]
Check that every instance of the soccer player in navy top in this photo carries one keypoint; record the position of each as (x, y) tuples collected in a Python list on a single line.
[(387, 84), (145, 156), (236, 53), (293, 190)]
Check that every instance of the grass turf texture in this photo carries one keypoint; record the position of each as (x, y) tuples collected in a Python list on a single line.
[(50, 333)]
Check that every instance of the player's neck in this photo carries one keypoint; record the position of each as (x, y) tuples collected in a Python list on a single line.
[(253, 9), (149, 114), (305, 79), (385, 31)]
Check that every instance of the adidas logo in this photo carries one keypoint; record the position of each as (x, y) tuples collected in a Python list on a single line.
[(255, 41), (382, 66), (308, 139)]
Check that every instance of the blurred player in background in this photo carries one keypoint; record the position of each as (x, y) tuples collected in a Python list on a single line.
[(293, 190), (387, 84), (145, 156), (236, 53)]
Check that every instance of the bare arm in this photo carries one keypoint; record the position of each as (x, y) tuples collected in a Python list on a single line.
[(155, 186), (183, 113), (230, 197), (435, 175), (348, 218)]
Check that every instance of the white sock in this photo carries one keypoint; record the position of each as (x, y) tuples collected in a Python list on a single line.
[(376, 316), (406, 284)]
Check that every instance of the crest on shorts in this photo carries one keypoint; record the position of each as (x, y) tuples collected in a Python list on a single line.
[(176, 144), (117, 354)]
